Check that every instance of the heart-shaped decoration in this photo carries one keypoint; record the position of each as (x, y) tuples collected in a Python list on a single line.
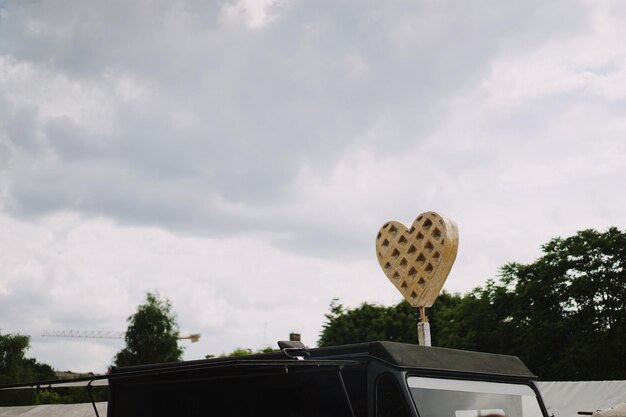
[(418, 260)]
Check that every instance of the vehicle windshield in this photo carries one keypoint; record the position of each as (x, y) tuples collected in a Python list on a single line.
[(435, 397)]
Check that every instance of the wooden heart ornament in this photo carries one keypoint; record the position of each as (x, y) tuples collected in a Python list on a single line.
[(418, 260)]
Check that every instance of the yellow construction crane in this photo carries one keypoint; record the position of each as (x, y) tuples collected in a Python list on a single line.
[(102, 334), (192, 337)]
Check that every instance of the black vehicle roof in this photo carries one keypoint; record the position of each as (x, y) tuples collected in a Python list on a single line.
[(426, 360), (398, 355), (405, 355)]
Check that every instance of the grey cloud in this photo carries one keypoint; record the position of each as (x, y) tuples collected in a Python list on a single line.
[(20, 301), (304, 89)]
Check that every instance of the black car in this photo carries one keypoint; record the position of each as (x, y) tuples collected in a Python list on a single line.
[(377, 379)]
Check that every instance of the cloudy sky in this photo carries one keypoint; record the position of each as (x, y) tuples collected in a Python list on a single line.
[(240, 156)]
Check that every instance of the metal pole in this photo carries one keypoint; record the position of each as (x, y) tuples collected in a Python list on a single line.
[(423, 328)]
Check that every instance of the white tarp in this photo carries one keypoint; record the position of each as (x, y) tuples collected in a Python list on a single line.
[(618, 411), (55, 410), (566, 399)]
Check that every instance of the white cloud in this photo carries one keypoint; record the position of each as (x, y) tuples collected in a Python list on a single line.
[(255, 13), (70, 272)]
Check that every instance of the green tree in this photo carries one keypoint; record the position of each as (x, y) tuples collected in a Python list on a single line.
[(481, 320), (152, 335), (239, 352), (564, 315), (16, 368), (372, 322), (571, 307), (366, 323)]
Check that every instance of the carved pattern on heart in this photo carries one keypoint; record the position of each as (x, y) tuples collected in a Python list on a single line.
[(418, 260)]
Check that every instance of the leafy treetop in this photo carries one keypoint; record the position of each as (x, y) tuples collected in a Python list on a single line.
[(564, 315), (152, 335)]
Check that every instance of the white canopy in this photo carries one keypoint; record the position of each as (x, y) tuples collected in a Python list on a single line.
[(566, 399), (55, 410), (617, 411)]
